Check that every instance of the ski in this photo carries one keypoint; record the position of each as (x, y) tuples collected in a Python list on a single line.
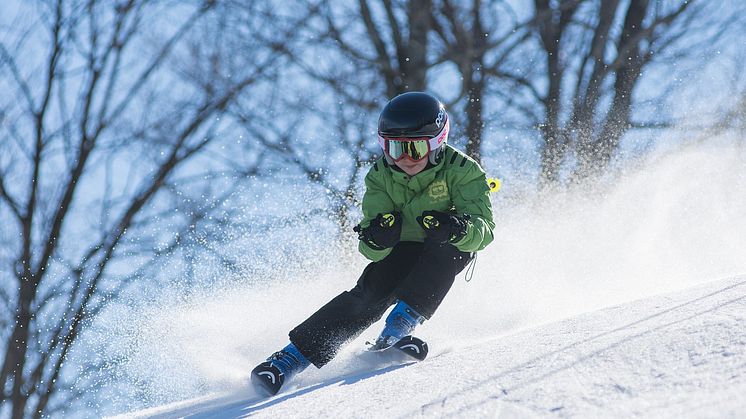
[(411, 346), (267, 379)]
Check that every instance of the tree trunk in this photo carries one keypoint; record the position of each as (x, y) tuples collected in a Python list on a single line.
[(413, 59), (551, 25), (594, 156), (475, 87)]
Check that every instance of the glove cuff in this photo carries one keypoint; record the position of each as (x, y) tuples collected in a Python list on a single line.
[(370, 243), (363, 234)]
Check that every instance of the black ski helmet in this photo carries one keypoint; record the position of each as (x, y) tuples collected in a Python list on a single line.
[(415, 114)]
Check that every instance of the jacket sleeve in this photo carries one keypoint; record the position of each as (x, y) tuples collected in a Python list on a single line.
[(472, 197), (375, 201)]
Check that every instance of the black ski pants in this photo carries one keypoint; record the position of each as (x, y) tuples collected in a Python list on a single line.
[(420, 274)]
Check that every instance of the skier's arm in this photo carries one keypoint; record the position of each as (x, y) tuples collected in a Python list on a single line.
[(375, 201), (472, 198)]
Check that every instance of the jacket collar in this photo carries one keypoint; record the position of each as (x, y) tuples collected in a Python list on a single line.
[(421, 180)]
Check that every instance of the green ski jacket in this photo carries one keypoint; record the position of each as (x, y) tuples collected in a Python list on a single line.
[(457, 184)]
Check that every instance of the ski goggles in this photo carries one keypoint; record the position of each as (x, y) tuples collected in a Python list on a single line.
[(414, 149)]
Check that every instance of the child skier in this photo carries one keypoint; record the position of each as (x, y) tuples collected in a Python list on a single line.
[(426, 210)]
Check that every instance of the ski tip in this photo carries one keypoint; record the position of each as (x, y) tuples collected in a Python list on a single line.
[(411, 346), (267, 379), (414, 347)]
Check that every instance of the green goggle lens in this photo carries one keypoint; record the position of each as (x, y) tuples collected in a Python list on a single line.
[(415, 149)]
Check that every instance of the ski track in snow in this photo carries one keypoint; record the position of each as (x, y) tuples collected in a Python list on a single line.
[(674, 355)]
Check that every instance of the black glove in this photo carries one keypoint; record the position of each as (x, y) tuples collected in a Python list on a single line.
[(383, 232), (443, 227)]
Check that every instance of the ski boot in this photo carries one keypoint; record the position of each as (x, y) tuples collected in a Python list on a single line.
[(400, 323), (269, 376)]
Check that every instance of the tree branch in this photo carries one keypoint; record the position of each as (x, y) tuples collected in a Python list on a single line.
[(9, 201)]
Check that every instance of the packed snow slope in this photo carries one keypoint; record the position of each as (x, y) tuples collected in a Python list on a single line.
[(675, 355), (524, 336)]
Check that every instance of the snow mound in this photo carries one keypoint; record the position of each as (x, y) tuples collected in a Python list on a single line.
[(672, 355)]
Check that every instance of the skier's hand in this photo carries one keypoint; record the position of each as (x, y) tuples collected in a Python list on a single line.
[(383, 232), (443, 227)]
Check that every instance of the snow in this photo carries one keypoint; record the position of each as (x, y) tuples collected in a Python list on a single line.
[(679, 354), (628, 302)]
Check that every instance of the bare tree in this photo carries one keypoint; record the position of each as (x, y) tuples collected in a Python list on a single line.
[(400, 42), (98, 104), (603, 47), (594, 55), (464, 35), (637, 43), (357, 56), (401, 55), (372, 51), (478, 37)]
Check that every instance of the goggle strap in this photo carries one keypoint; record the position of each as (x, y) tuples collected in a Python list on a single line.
[(439, 139)]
